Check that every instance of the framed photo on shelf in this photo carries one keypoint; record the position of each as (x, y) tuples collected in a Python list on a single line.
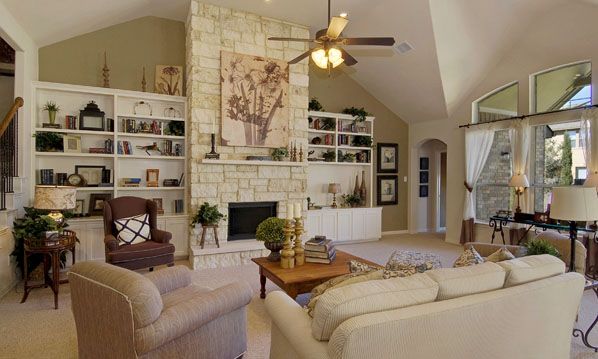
[(152, 177), (91, 173), (96, 203), (424, 176), (386, 189), (71, 143), (424, 163), (158, 202), (423, 191), (387, 158)]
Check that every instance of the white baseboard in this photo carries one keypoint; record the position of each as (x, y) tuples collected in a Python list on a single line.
[(8, 288), (391, 233)]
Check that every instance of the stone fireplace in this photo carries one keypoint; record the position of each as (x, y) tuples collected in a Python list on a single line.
[(244, 217), (233, 179)]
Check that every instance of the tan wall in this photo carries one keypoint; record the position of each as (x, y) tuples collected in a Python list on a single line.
[(340, 91), (147, 41)]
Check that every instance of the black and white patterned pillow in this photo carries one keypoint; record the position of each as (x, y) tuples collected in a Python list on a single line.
[(134, 229)]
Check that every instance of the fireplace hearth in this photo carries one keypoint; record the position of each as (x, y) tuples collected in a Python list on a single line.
[(244, 217)]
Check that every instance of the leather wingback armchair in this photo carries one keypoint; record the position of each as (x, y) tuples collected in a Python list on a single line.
[(122, 314), (148, 254)]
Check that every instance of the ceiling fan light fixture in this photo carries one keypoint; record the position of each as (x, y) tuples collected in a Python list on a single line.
[(343, 15), (320, 58), (335, 56)]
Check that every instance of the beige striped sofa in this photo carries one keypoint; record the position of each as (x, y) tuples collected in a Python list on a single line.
[(523, 308), (123, 314)]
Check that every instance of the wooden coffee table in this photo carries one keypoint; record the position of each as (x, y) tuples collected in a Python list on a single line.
[(303, 279)]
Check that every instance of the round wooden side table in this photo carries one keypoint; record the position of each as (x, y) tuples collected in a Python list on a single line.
[(51, 249)]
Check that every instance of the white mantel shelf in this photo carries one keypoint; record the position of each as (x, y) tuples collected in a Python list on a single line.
[(254, 163)]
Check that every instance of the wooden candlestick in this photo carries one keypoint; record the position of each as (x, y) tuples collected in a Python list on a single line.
[(298, 248), (301, 153), (287, 254)]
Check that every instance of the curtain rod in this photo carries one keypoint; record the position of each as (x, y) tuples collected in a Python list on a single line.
[(530, 115)]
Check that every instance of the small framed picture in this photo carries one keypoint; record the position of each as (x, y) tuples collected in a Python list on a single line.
[(152, 177), (92, 174), (96, 203), (71, 143), (423, 191), (423, 176), (79, 205), (387, 158), (158, 202), (424, 163), (387, 190)]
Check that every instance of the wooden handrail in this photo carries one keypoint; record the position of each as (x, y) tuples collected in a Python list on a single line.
[(11, 114)]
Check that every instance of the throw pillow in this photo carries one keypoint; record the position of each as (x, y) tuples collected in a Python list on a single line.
[(503, 254), (357, 266), (405, 263), (468, 258), (134, 229)]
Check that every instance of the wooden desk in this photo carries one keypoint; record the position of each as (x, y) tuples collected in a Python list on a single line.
[(303, 279)]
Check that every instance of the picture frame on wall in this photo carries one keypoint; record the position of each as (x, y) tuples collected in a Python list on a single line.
[(91, 173), (423, 191), (424, 176), (387, 157), (96, 203), (424, 163), (387, 190)]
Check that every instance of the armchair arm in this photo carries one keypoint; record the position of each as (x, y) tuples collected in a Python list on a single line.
[(171, 278), (189, 315), (160, 236), (292, 322), (110, 242)]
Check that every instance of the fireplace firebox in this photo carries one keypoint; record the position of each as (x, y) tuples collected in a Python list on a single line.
[(244, 217)]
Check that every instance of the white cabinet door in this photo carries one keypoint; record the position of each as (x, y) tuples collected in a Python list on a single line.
[(314, 223), (329, 224), (95, 235), (344, 227), (358, 226), (373, 224), (179, 229)]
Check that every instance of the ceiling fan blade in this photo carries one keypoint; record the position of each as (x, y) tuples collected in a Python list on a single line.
[(300, 57), (290, 39), (337, 25), (349, 60), (379, 41)]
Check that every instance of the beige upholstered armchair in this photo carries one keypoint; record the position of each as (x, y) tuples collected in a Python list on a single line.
[(123, 314)]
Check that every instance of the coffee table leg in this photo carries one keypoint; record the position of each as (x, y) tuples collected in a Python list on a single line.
[(262, 286)]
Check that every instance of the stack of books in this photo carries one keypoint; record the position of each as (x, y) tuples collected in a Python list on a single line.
[(130, 182), (46, 176), (319, 250)]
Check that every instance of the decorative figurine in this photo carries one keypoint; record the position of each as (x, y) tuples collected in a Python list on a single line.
[(106, 72), (143, 82)]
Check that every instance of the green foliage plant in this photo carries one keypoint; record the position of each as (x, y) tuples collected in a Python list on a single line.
[(270, 230), (541, 246), (207, 214), (329, 156), (279, 153), (315, 105), (362, 141), (51, 106), (48, 142), (351, 200), (360, 114), (176, 128), (327, 124), (349, 157)]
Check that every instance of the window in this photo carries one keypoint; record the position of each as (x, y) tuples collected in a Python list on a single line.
[(565, 87), (492, 192)]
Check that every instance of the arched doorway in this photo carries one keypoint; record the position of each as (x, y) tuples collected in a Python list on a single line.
[(430, 181)]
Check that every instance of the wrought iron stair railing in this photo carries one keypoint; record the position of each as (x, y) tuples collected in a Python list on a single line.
[(9, 153)]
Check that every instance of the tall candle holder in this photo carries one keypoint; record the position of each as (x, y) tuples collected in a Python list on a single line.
[(287, 254), (298, 247), (213, 155)]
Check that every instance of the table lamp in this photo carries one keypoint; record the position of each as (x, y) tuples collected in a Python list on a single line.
[(520, 182), (334, 188), (574, 204), (55, 199)]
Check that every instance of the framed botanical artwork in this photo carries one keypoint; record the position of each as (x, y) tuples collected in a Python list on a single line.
[(152, 177), (424, 163), (80, 204), (424, 176), (169, 80), (71, 143), (92, 174), (254, 101), (423, 191), (96, 203), (386, 189), (387, 158)]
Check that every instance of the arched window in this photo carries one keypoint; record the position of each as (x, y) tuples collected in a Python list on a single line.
[(563, 87), (500, 103)]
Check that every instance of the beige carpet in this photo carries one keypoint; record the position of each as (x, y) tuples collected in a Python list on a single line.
[(35, 330)]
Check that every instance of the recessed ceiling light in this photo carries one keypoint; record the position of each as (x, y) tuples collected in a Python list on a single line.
[(402, 48), (343, 15)]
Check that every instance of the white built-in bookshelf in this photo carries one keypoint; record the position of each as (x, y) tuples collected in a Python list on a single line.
[(119, 105)]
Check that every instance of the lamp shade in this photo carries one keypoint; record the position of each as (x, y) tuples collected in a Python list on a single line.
[(591, 181), (334, 188), (574, 203), (55, 198), (519, 180)]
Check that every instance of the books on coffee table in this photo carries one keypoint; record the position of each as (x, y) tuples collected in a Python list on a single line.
[(319, 250)]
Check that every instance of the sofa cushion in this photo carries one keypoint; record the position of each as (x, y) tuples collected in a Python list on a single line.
[(462, 281), (469, 257), (502, 254), (132, 230), (404, 263), (531, 268), (133, 252), (339, 304)]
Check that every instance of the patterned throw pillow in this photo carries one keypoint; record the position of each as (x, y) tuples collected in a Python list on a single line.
[(503, 254), (468, 258), (405, 263), (357, 266), (134, 229)]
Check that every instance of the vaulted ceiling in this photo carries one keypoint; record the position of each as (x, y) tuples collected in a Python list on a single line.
[(455, 42)]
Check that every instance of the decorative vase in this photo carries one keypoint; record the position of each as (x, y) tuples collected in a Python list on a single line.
[(52, 117), (356, 189), (274, 248), (362, 189)]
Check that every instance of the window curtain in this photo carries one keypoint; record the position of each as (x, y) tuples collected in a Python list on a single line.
[(478, 143), (588, 139), (520, 136)]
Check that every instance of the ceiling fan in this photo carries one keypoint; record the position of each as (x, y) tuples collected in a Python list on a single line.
[(328, 54)]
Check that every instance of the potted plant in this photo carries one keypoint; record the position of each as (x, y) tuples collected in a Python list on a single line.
[(315, 105), (349, 157), (271, 232), (207, 215), (48, 142), (327, 124), (360, 114), (278, 154), (329, 156), (352, 200), (541, 246), (52, 109), (362, 141)]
